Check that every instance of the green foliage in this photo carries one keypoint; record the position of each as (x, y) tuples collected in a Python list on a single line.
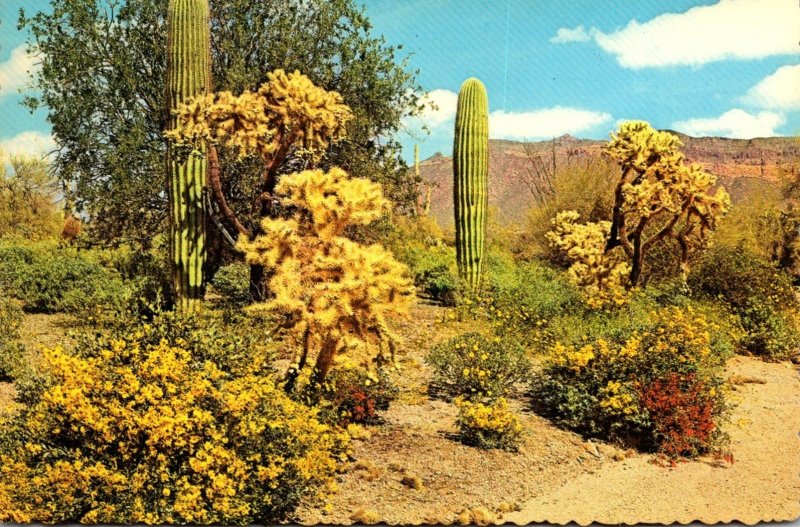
[(475, 367), (758, 292), (488, 425), (232, 282), (740, 278), (27, 199), (470, 180), (11, 351), (603, 386), (48, 279), (155, 424), (116, 161), (434, 271), (524, 299)]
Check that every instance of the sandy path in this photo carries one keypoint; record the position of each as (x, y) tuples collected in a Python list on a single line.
[(762, 485)]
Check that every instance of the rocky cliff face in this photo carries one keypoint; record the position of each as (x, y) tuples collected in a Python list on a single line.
[(742, 165)]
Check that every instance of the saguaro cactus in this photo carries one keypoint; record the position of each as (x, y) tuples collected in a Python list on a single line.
[(188, 75), (470, 179)]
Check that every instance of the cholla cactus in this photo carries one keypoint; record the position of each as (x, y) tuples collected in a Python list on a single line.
[(659, 193), (331, 292), (601, 274), (288, 111)]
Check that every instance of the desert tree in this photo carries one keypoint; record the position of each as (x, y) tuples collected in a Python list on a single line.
[(102, 83)]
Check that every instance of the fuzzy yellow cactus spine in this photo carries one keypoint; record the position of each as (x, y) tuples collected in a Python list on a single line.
[(332, 293), (188, 75), (470, 179)]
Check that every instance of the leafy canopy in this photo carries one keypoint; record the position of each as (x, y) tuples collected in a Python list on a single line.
[(102, 83)]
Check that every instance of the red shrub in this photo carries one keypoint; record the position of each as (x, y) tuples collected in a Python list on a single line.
[(682, 409)]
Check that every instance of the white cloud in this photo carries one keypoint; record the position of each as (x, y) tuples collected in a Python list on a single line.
[(735, 123), (543, 124), (729, 29), (779, 90), (445, 101), (14, 71), (30, 142), (565, 34)]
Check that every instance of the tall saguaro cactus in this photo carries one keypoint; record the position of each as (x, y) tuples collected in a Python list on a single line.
[(188, 75), (470, 179)]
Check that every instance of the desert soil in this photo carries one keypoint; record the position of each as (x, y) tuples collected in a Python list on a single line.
[(558, 476), (411, 469)]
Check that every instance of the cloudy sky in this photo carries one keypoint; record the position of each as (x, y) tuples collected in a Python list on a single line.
[(727, 68)]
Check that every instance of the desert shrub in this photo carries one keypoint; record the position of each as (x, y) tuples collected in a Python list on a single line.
[(148, 427), (602, 387), (474, 366), (232, 282), (352, 394), (759, 293), (523, 299), (585, 185), (47, 278), (434, 271), (11, 351), (770, 332), (740, 278), (488, 425)]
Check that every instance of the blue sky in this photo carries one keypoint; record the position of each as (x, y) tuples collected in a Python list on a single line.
[(728, 68)]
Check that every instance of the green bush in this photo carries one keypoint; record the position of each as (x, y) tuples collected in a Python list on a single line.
[(474, 366), (760, 294), (232, 282), (523, 300), (741, 278), (11, 350), (656, 386), (434, 271), (47, 278), (165, 422)]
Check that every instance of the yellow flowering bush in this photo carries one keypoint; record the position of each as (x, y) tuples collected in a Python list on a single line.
[(475, 366), (603, 387), (488, 425), (130, 428)]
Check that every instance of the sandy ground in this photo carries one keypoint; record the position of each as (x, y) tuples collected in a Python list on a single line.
[(762, 485)]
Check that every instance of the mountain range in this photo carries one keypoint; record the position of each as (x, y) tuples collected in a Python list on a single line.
[(742, 166)]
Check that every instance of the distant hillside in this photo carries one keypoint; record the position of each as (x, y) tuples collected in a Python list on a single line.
[(742, 166)]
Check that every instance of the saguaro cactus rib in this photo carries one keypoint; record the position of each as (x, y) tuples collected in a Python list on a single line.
[(188, 75), (470, 179)]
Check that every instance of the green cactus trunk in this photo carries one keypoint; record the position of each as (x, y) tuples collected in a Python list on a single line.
[(470, 179), (188, 75)]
